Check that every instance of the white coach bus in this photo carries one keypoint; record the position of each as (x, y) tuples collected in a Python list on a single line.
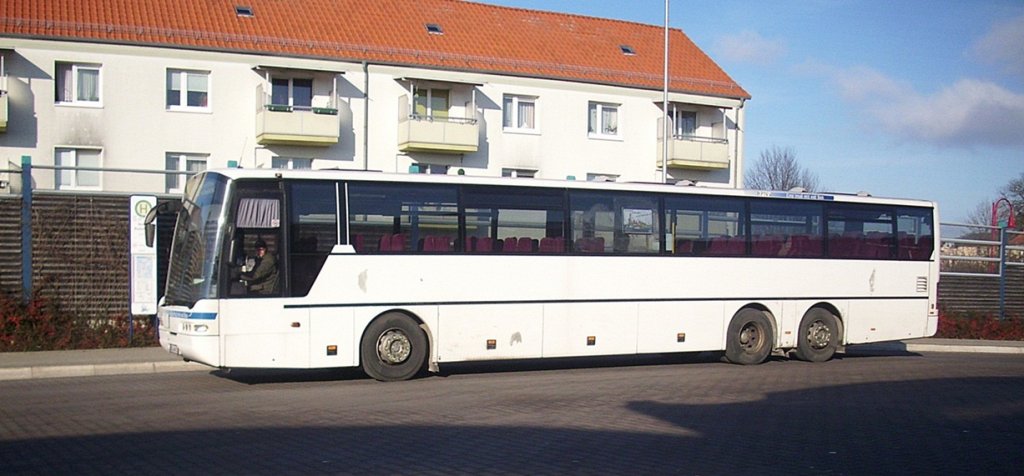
[(398, 274)]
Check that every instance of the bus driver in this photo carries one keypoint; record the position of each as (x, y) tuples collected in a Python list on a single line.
[(263, 277)]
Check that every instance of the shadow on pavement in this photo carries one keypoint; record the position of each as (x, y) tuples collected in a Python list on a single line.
[(269, 376), (886, 349), (250, 376), (534, 365), (274, 376), (941, 426)]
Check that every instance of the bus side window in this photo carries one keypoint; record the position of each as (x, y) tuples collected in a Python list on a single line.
[(509, 220), (623, 222), (860, 232), (312, 231), (256, 244), (786, 228), (915, 234), (403, 217), (701, 226)]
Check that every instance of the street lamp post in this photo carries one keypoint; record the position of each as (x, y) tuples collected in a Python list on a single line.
[(664, 108)]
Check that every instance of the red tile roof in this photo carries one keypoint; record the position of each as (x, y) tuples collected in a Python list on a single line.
[(477, 37)]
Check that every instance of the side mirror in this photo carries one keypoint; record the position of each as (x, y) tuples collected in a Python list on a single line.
[(165, 208)]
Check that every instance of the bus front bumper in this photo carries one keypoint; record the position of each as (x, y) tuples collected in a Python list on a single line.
[(204, 349)]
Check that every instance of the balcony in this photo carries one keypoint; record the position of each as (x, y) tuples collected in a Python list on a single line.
[(693, 152), (297, 107), (697, 137), (447, 135), (698, 153), (281, 124)]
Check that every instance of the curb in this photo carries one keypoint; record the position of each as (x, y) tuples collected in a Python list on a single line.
[(942, 345), (58, 364), (93, 370)]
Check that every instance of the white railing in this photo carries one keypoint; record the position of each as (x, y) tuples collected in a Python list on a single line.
[(981, 251)]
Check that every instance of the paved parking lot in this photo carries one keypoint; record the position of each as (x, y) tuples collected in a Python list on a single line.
[(860, 414)]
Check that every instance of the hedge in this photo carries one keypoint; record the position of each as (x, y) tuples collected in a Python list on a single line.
[(40, 324)]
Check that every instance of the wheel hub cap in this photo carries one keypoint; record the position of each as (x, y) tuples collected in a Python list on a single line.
[(749, 337), (819, 335), (393, 347)]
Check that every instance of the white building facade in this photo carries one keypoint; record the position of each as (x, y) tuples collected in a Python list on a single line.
[(110, 110)]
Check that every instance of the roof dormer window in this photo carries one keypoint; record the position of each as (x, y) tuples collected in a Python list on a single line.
[(244, 11), (627, 50), (434, 29)]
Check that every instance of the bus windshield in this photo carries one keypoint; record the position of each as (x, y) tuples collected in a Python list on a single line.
[(198, 235)]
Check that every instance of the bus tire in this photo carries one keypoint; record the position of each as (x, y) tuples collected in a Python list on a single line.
[(750, 338), (393, 348), (818, 336)]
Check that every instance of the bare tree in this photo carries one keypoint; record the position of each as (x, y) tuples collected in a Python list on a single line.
[(1014, 192), (981, 215), (778, 169)]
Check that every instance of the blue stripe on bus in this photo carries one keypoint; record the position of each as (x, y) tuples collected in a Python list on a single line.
[(206, 316)]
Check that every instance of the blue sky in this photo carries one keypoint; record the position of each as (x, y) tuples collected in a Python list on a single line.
[(909, 98)]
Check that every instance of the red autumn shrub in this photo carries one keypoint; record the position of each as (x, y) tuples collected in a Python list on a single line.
[(40, 324), (979, 326)]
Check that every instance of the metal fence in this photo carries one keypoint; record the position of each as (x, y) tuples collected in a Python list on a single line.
[(982, 269), (72, 246)]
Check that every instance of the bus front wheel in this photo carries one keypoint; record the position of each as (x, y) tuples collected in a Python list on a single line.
[(393, 348), (818, 337), (749, 341)]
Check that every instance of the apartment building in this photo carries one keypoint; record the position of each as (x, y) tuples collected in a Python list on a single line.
[(108, 89)]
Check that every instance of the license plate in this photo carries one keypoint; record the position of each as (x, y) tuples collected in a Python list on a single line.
[(172, 348)]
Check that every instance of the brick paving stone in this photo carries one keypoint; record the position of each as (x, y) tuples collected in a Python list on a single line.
[(858, 414)]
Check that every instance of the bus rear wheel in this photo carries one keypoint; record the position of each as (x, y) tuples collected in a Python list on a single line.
[(393, 348), (818, 337), (749, 341)]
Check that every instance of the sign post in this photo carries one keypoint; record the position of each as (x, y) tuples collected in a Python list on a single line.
[(26, 228), (143, 258)]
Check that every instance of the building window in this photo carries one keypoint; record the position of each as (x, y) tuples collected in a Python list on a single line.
[(291, 163), (78, 84), (518, 173), (431, 103), (188, 90), (520, 113), (183, 163), (684, 124), (77, 179), (294, 92), (604, 120)]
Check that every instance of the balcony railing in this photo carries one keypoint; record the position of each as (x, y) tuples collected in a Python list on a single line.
[(444, 134), (296, 125), (3, 103), (696, 152)]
